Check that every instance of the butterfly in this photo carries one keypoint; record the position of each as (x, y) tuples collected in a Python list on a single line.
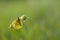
[(18, 23)]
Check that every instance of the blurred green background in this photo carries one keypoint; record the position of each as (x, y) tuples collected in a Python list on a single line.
[(43, 22)]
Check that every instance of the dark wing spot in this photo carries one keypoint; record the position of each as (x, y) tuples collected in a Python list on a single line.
[(19, 21)]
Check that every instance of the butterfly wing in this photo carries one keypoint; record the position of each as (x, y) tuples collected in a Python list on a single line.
[(18, 24)]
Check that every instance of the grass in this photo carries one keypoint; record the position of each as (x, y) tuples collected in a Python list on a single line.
[(43, 24)]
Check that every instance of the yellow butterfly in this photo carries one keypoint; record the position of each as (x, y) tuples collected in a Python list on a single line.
[(17, 23)]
